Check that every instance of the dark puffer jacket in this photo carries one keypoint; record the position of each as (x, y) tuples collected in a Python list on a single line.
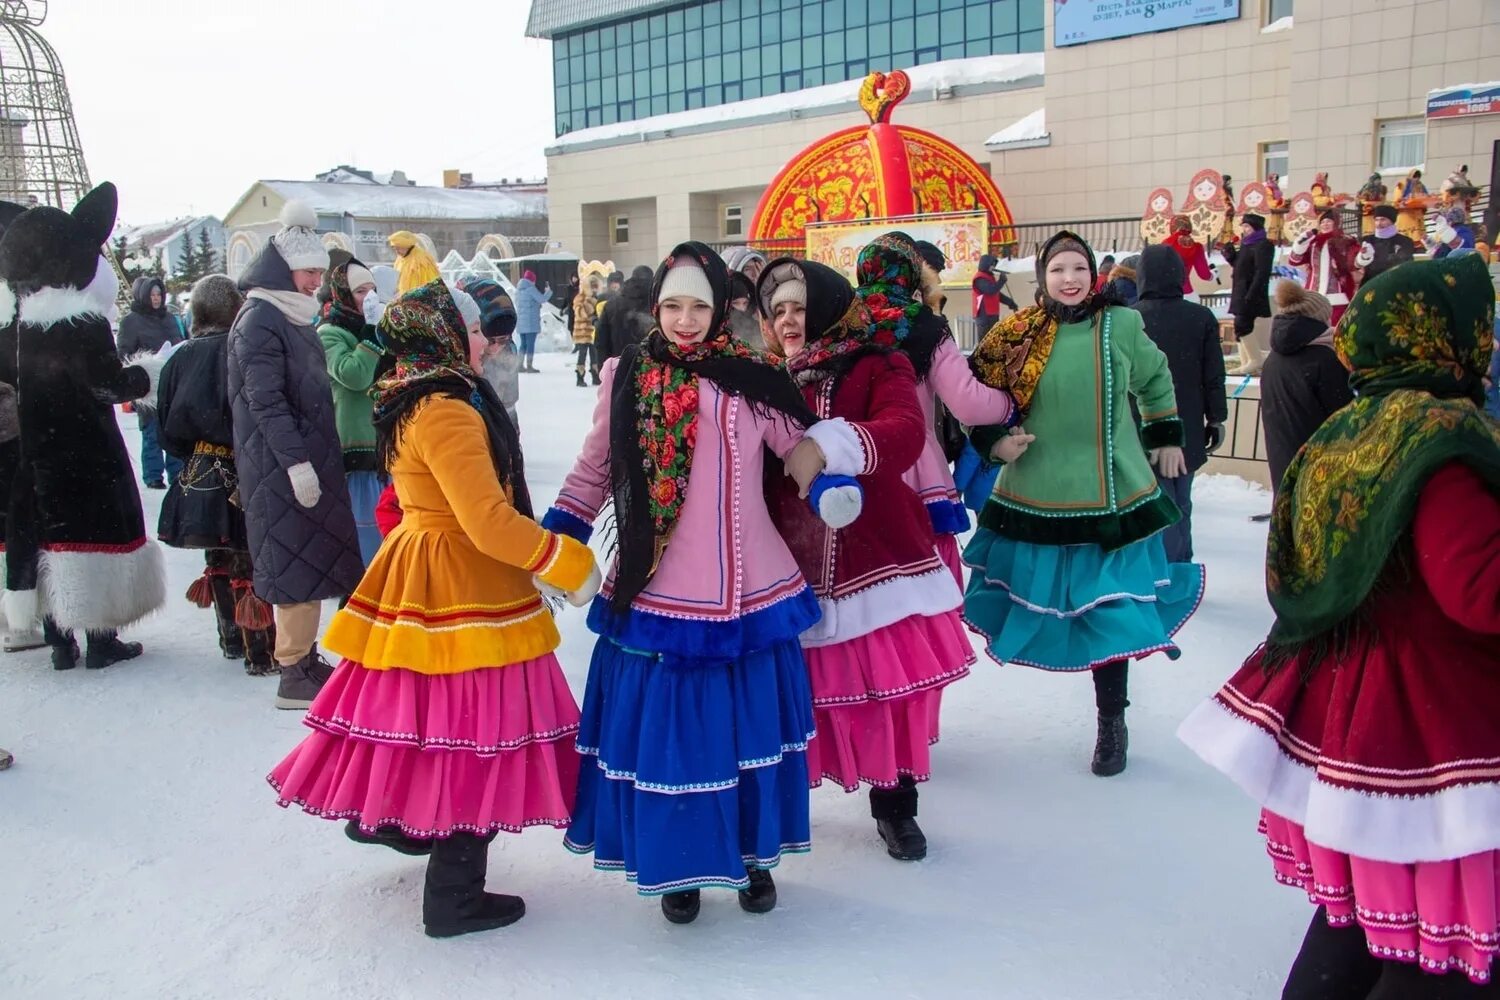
[(1303, 382), (144, 328), (283, 416), (1188, 334)]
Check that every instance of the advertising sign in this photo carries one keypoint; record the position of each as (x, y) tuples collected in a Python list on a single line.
[(962, 236), (1075, 22), (1464, 100)]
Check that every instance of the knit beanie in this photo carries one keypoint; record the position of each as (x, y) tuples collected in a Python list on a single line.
[(297, 243), (686, 278), (529, 276), (467, 307), (1387, 212), (359, 276)]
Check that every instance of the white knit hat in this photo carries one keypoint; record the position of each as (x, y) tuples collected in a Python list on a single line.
[(686, 278), (784, 283), (359, 275), (297, 243), (468, 308)]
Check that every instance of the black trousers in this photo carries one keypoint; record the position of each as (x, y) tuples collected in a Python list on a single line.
[(1110, 682), (588, 358), (1336, 964)]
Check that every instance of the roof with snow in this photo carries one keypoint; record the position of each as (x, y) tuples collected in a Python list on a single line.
[(154, 234), (553, 17), (380, 201), (1029, 131), (980, 75)]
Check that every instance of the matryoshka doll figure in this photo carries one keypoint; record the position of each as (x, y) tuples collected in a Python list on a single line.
[(1206, 207), (1156, 223), (1302, 216)]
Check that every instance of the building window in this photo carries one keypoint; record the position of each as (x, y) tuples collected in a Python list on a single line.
[(1277, 9), (621, 226), (1274, 159), (730, 50), (734, 221), (1401, 144)]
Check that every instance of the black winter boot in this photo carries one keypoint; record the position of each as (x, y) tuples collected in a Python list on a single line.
[(231, 637), (581, 383), (594, 372), (64, 645), (895, 813), (1110, 747), (681, 907), (258, 647), (106, 649), (760, 897), (389, 836), (453, 900)]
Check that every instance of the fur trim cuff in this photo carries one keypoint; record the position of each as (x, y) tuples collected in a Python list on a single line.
[(150, 362), (100, 590), (843, 453), (1165, 433), (48, 306)]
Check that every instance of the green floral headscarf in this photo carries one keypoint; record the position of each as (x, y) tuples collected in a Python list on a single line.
[(1417, 341)]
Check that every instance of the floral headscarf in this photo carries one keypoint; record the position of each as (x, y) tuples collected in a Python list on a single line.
[(1418, 340)]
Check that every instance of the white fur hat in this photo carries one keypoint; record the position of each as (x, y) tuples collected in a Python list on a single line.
[(686, 278), (297, 242)]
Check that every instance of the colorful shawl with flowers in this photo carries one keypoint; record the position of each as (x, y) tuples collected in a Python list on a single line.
[(1417, 339)]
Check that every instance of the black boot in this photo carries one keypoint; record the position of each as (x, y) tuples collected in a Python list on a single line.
[(1110, 747), (231, 638), (581, 383), (454, 901), (595, 374), (389, 836), (681, 907), (106, 649), (258, 647), (64, 645), (761, 896), (895, 812)]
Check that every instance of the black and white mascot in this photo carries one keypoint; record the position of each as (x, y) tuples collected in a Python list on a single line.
[(95, 571)]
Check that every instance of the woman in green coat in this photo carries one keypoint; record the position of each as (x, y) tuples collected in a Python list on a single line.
[(353, 353), (1070, 573)]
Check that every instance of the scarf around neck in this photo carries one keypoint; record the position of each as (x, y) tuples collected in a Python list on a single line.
[(1417, 339), (654, 422), (299, 309), (1256, 236)]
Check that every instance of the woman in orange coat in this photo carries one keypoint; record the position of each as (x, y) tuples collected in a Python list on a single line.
[(449, 719)]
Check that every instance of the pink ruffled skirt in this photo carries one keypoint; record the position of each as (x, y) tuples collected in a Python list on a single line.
[(877, 698), (1443, 915), (947, 549), (474, 752)]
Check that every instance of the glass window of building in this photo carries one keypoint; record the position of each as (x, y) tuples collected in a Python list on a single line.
[(713, 52), (734, 221), (1402, 144), (1277, 9), (1274, 159), (620, 225)]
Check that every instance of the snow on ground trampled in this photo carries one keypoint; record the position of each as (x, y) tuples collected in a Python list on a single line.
[(142, 854)]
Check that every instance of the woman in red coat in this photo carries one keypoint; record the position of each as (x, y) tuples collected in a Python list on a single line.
[(1366, 727), (1194, 257), (891, 637)]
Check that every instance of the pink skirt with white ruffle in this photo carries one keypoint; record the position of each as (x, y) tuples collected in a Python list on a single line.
[(1443, 915), (474, 752), (877, 700)]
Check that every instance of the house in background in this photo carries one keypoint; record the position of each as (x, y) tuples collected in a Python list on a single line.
[(172, 240), (358, 210)]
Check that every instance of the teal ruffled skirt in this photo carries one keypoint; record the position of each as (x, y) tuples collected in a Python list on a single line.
[(1076, 607)]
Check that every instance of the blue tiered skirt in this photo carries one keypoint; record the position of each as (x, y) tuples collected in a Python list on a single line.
[(694, 769), (1076, 607)]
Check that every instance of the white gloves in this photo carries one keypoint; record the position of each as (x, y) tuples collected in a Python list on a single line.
[(1012, 446), (843, 454), (374, 309), (1366, 255), (578, 598), (1303, 242), (305, 484)]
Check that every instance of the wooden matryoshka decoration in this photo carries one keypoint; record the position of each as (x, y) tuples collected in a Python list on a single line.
[(1206, 207), (1156, 223)]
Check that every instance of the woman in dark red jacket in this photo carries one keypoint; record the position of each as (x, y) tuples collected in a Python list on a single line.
[(1365, 728), (891, 637)]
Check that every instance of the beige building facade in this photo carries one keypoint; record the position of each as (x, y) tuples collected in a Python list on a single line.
[(1337, 85)]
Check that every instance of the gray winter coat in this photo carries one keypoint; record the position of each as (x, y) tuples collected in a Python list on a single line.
[(283, 415)]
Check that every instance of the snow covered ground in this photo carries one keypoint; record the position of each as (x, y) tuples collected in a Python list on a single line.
[(141, 853)]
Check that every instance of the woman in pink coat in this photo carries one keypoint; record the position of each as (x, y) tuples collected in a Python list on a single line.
[(697, 712)]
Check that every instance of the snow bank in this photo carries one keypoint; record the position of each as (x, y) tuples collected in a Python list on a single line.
[(1280, 24), (1012, 68)]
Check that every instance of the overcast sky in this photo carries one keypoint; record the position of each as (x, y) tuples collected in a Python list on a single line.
[(185, 103)]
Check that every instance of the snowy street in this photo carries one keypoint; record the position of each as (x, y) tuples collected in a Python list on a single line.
[(142, 854)]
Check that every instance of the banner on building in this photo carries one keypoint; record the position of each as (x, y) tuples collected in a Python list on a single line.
[(1075, 22), (1464, 100), (963, 237)]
